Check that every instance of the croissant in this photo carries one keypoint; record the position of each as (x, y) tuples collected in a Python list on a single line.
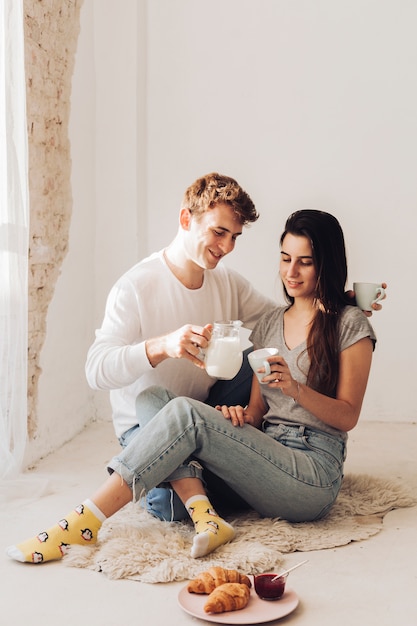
[(208, 580), (227, 597)]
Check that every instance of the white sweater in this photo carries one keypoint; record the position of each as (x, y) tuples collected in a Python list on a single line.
[(149, 301)]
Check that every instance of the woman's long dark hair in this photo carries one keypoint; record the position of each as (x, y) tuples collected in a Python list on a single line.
[(329, 256)]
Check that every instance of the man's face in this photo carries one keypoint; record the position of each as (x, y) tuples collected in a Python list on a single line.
[(211, 236)]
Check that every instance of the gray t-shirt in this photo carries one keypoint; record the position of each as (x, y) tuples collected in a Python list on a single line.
[(269, 333)]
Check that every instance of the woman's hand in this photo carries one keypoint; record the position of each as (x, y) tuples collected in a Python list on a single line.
[(280, 377), (253, 414), (238, 415)]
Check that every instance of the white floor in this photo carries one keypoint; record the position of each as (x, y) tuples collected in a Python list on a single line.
[(373, 582)]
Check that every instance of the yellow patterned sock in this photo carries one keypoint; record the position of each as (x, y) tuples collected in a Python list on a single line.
[(80, 527), (211, 530)]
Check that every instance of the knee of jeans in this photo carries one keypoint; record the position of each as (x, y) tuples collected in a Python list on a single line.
[(152, 392)]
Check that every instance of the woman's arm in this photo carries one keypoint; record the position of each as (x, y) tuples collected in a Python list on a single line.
[(343, 411), (251, 414)]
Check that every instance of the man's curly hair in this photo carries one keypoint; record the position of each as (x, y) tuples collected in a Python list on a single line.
[(212, 189)]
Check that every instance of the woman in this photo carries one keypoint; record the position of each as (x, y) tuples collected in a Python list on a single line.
[(283, 454)]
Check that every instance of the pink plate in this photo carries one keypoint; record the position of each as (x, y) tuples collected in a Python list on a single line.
[(256, 612)]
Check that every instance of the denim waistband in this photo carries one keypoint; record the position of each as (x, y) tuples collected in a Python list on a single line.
[(303, 429)]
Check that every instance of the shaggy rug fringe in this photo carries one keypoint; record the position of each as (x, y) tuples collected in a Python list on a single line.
[(133, 544)]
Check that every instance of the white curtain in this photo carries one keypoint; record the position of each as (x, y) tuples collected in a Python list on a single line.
[(14, 227)]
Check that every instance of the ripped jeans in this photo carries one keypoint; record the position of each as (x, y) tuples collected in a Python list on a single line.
[(162, 501), (291, 472)]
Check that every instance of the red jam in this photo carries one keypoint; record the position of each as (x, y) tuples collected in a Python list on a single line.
[(268, 590)]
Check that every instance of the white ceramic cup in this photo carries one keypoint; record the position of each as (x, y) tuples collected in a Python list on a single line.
[(368, 294), (258, 359)]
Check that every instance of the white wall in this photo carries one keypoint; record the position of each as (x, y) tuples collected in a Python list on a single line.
[(307, 103)]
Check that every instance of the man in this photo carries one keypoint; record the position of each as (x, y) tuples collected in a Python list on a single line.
[(152, 332)]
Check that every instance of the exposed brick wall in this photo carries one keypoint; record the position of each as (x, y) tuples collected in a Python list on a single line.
[(51, 34)]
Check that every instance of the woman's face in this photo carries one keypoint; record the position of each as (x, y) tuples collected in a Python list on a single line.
[(297, 269)]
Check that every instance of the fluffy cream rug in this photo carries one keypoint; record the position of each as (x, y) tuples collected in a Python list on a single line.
[(133, 544)]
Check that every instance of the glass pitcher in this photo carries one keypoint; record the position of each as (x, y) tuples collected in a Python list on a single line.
[(223, 356)]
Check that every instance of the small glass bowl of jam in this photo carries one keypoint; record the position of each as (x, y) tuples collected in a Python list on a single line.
[(270, 586)]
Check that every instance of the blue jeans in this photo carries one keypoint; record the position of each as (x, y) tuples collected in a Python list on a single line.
[(162, 501), (291, 472)]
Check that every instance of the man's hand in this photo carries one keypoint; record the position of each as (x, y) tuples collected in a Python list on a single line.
[(376, 307), (184, 343)]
